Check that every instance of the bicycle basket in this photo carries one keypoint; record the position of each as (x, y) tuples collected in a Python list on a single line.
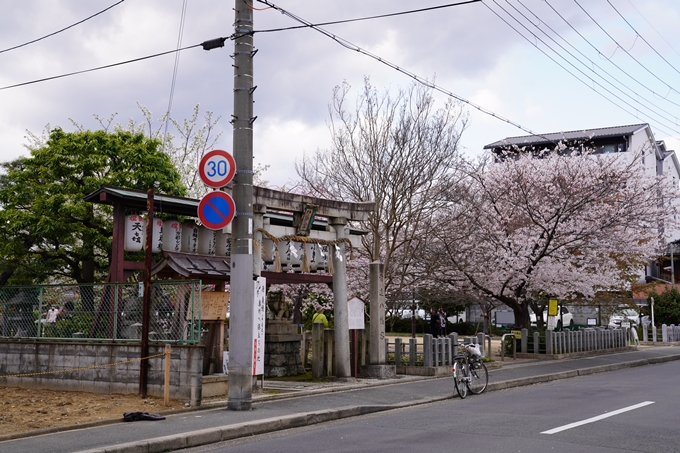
[(474, 350)]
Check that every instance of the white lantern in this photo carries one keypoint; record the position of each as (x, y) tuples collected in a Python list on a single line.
[(222, 244), (135, 227), (206, 241), (189, 237), (323, 251), (157, 236), (291, 255), (172, 236)]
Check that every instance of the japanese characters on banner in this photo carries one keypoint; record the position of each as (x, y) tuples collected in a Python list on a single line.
[(135, 227), (259, 313)]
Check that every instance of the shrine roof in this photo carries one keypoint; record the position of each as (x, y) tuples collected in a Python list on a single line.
[(209, 268)]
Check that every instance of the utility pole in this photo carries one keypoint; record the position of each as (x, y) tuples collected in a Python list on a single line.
[(240, 395)]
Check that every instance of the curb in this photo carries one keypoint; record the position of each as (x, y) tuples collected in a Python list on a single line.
[(230, 432)]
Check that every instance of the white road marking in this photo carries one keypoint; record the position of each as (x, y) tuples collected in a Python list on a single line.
[(599, 417)]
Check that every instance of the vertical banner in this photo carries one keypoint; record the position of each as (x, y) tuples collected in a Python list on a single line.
[(259, 314)]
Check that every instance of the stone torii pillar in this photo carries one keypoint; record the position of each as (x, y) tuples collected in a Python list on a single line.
[(340, 310)]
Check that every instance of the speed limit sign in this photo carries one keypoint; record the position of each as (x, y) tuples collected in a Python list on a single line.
[(217, 168)]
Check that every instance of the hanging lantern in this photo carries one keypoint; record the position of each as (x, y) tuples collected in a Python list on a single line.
[(135, 227)]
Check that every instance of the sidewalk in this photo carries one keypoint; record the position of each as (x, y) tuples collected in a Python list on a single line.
[(301, 404)]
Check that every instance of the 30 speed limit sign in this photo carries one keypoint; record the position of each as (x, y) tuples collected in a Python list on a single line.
[(217, 168)]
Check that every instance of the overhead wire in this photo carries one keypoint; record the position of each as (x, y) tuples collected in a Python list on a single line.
[(562, 66), (626, 51), (174, 72), (642, 37), (627, 73), (593, 63), (380, 16), (98, 68), (347, 44), (673, 120), (63, 29), (653, 27)]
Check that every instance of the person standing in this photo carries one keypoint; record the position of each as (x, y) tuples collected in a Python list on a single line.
[(320, 317)]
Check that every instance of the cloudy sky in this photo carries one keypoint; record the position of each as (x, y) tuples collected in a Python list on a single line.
[(566, 65)]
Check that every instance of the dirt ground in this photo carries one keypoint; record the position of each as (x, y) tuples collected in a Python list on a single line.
[(24, 410)]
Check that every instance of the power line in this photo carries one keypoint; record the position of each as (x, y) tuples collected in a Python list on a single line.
[(653, 27), (642, 37), (425, 82), (431, 8), (572, 64), (105, 67), (591, 61), (621, 47), (174, 71), (627, 73), (63, 29)]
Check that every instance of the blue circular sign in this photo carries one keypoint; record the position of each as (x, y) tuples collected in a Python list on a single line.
[(216, 210)]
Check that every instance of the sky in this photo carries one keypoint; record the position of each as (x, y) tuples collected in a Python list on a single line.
[(626, 67)]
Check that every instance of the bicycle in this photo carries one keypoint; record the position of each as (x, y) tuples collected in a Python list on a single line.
[(469, 372)]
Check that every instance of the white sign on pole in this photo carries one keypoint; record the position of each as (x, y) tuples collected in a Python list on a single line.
[(259, 313), (355, 311)]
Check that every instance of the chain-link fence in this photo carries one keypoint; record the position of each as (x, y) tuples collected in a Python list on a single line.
[(111, 311)]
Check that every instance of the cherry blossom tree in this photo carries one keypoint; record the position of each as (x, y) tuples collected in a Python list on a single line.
[(561, 224)]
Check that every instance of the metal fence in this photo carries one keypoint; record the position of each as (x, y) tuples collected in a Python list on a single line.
[(111, 311)]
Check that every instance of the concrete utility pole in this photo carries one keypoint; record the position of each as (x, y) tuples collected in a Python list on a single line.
[(240, 396)]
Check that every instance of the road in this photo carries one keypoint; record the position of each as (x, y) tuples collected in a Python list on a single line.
[(631, 410)]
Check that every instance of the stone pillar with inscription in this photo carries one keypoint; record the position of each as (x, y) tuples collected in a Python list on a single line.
[(378, 367), (282, 342)]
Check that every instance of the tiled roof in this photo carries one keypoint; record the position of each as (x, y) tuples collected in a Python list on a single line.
[(554, 137)]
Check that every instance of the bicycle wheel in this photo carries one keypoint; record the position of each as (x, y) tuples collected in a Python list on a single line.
[(459, 378), (479, 377)]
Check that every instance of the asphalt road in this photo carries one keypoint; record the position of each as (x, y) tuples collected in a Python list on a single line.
[(633, 410)]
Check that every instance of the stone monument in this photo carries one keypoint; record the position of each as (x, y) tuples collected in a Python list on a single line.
[(282, 341)]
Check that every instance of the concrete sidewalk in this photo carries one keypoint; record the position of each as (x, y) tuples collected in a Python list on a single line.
[(302, 404)]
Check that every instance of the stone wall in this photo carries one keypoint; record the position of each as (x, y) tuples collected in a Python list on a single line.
[(282, 358), (86, 366)]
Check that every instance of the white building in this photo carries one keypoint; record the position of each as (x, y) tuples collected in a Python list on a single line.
[(632, 140)]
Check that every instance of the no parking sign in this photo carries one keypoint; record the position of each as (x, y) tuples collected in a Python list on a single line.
[(216, 210)]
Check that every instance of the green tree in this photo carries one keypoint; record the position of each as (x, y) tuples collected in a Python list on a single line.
[(667, 307), (48, 233)]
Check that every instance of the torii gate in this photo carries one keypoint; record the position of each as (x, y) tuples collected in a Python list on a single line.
[(338, 213)]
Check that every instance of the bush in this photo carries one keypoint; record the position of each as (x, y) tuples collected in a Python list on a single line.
[(667, 307)]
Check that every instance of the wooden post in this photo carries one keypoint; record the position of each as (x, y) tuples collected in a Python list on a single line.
[(166, 384)]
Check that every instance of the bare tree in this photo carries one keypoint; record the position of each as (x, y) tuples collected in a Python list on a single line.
[(398, 151)]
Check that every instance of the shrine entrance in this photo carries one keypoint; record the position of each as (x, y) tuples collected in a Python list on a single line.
[(292, 246)]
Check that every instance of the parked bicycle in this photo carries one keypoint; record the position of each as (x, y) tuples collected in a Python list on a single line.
[(469, 372)]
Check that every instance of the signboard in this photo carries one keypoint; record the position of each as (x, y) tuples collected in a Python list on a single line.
[(552, 307), (355, 313), (259, 313), (214, 306), (217, 168), (552, 322), (517, 334), (592, 321), (216, 210)]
